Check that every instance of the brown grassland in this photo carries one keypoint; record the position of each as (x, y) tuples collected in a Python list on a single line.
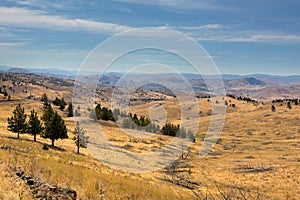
[(257, 157)]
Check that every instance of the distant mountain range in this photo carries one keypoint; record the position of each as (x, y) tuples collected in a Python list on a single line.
[(259, 86), (39, 71)]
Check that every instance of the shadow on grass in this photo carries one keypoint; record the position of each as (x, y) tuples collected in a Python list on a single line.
[(37, 142)]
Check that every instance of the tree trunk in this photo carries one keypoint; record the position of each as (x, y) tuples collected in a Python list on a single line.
[(34, 137), (78, 144), (52, 143), (18, 134)]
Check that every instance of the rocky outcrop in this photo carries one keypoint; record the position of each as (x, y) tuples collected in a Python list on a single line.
[(44, 191)]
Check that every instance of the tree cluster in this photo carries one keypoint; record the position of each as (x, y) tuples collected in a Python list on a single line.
[(296, 102), (18, 124), (54, 126), (175, 130), (140, 123), (60, 102), (102, 113), (240, 98)]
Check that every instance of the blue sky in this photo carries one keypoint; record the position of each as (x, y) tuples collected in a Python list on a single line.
[(243, 37)]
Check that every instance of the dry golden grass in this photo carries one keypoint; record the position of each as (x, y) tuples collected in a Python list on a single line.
[(259, 152)]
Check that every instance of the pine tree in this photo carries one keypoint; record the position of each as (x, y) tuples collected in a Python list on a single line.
[(47, 115), (34, 124), (17, 123), (70, 110), (55, 129), (80, 139)]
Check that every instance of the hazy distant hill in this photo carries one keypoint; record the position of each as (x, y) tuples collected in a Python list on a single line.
[(260, 86), (18, 70)]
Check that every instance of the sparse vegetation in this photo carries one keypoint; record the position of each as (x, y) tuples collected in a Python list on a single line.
[(249, 161)]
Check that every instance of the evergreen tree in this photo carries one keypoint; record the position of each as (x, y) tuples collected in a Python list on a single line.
[(55, 129), (80, 139), (34, 124), (47, 115), (273, 108), (5, 93), (56, 101), (62, 106), (289, 106), (44, 98), (17, 123)]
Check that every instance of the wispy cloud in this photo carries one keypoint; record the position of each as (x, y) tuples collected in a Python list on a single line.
[(44, 4), (261, 37), (5, 33), (195, 28), (223, 33), (252, 37), (179, 4), (12, 44), (27, 18)]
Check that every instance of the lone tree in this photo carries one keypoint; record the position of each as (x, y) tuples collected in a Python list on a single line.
[(80, 138), (55, 129), (34, 125), (17, 123), (70, 110), (273, 108)]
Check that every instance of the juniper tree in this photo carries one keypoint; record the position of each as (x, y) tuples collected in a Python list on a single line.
[(34, 125), (17, 123)]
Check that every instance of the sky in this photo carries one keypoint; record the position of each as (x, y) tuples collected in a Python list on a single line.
[(242, 37)]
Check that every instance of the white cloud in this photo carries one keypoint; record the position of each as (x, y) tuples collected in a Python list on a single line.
[(12, 44), (266, 38), (26, 18), (252, 37), (195, 28)]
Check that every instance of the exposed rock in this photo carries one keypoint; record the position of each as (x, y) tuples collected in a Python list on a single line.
[(30, 182), (45, 191)]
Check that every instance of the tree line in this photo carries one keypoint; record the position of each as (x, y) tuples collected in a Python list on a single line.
[(53, 126)]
